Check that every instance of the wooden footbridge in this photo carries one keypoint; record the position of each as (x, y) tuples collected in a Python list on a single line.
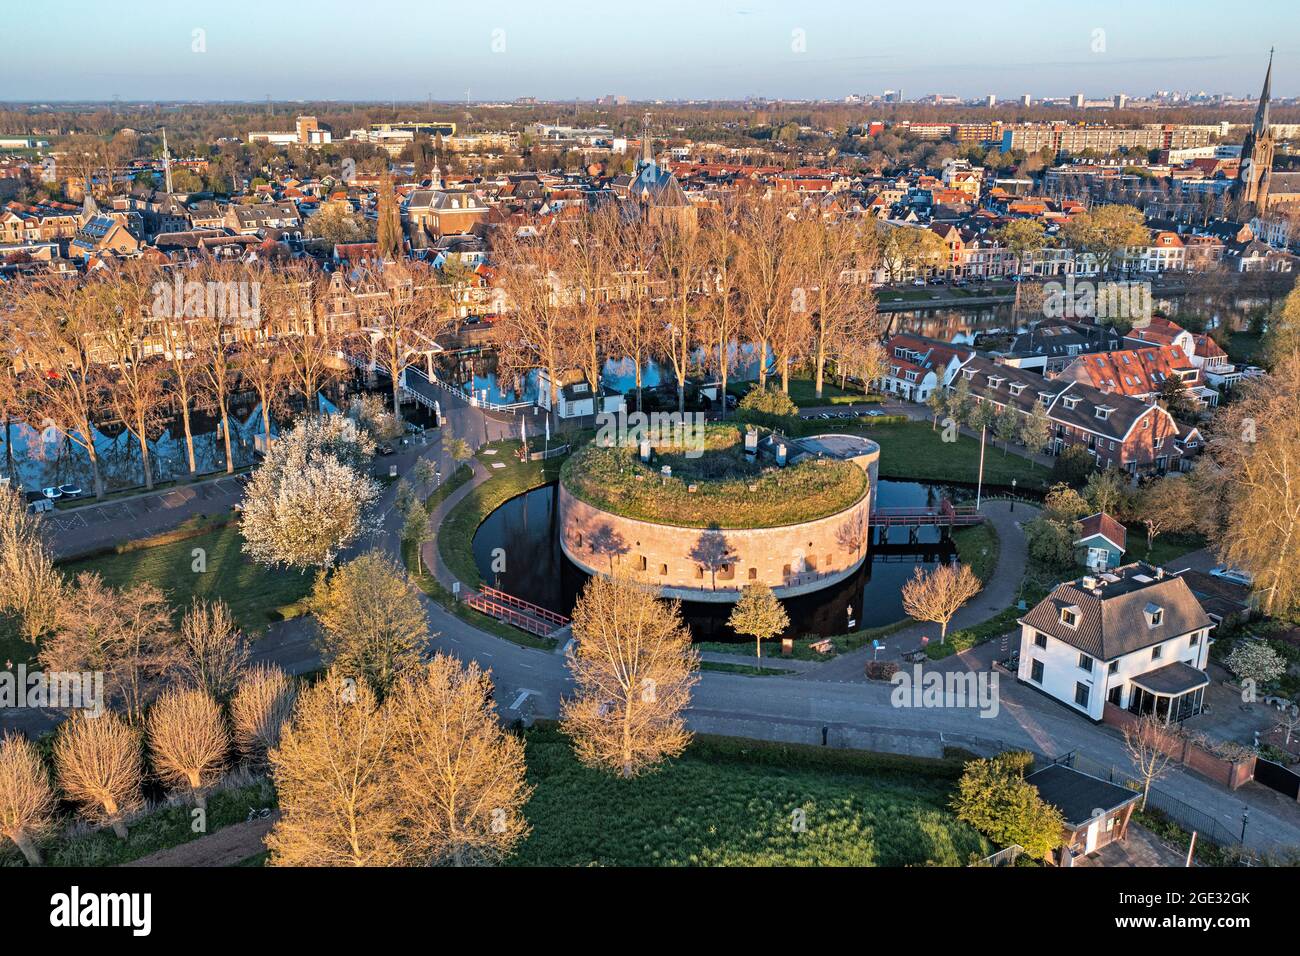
[(512, 610)]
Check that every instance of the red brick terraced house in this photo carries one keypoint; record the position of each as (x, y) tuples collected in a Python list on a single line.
[(1117, 430)]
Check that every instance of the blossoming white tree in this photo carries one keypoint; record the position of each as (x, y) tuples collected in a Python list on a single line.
[(309, 499)]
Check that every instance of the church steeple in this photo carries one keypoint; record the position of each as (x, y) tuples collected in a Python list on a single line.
[(647, 142), (1255, 172), (1261, 113)]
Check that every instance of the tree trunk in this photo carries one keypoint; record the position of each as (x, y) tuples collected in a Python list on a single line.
[(762, 364), (189, 435), (28, 847), (397, 400), (266, 423), (225, 435), (144, 456)]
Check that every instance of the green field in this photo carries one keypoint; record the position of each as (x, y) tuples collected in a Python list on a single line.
[(253, 591), (732, 803), (161, 829), (914, 450)]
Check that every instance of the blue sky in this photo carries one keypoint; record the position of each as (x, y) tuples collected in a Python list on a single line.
[(409, 49)]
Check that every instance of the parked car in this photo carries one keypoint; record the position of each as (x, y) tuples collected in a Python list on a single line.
[(40, 506), (918, 282), (71, 491), (1235, 575), (875, 413), (52, 493), (385, 449), (244, 478)]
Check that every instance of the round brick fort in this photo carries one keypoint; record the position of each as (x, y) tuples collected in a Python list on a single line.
[(695, 562)]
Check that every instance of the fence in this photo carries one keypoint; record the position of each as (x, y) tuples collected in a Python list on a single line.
[(1004, 857), (1184, 814)]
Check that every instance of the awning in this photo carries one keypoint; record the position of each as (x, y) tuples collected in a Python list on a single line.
[(1172, 679)]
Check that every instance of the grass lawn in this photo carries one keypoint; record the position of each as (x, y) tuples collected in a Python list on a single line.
[(14, 648), (730, 493), (1166, 546), (162, 829), (748, 670), (914, 450), (731, 803), (253, 591), (978, 546)]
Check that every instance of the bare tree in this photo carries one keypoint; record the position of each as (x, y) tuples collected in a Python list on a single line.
[(938, 595), (634, 329), (333, 774), (679, 267), (262, 368), (188, 741), (1167, 504), (721, 319), (586, 274), (460, 777), (54, 329), (26, 800), (128, 333), (1147, 743), (1253, 467), (213, 651), (261, 707), (100, 766), (31, 589), (126, 634), (532, 332), (766, 274), (405, 320), (371, 619), (633, 669)]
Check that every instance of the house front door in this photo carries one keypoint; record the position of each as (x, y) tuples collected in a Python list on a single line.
[(1090, 841)]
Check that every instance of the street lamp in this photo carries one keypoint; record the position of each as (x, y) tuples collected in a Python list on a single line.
[(1245, 818), (1013, 494)]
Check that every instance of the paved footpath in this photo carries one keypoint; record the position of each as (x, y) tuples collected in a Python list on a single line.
[(1001, 591)]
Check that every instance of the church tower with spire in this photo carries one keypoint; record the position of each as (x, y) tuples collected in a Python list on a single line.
[(1257, 151)]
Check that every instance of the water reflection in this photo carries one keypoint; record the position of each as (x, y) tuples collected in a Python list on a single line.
[(525, 530)]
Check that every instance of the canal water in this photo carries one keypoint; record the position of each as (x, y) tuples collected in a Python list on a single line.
[(524, 532)]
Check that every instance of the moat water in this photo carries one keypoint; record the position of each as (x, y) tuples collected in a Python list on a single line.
[(525, 529)]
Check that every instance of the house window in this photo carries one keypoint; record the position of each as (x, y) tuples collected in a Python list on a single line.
[(1156, 652), (753, 574), (1081, 692), (663, 570), (1036, 672), (1113, 668), (1196, 638), (1085, 663), (1069, 618), (1040, 639)]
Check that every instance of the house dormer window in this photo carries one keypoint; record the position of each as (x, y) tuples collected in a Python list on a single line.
[(1103, 412), (1070, 616), (1155, 615), (1070, 401)]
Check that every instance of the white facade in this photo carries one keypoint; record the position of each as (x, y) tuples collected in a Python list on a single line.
[(1056, 667)]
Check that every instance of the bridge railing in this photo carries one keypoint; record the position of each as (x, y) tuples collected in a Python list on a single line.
[(535, 610)]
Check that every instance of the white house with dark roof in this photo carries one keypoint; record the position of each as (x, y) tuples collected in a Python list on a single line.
[(1135, 637)]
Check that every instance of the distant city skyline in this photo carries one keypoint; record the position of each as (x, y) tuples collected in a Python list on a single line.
[(672, 50)]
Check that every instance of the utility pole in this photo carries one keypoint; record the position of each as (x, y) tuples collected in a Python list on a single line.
[(979, 487)]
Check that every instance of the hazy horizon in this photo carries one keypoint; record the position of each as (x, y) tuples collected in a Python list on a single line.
[(411, 51)]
